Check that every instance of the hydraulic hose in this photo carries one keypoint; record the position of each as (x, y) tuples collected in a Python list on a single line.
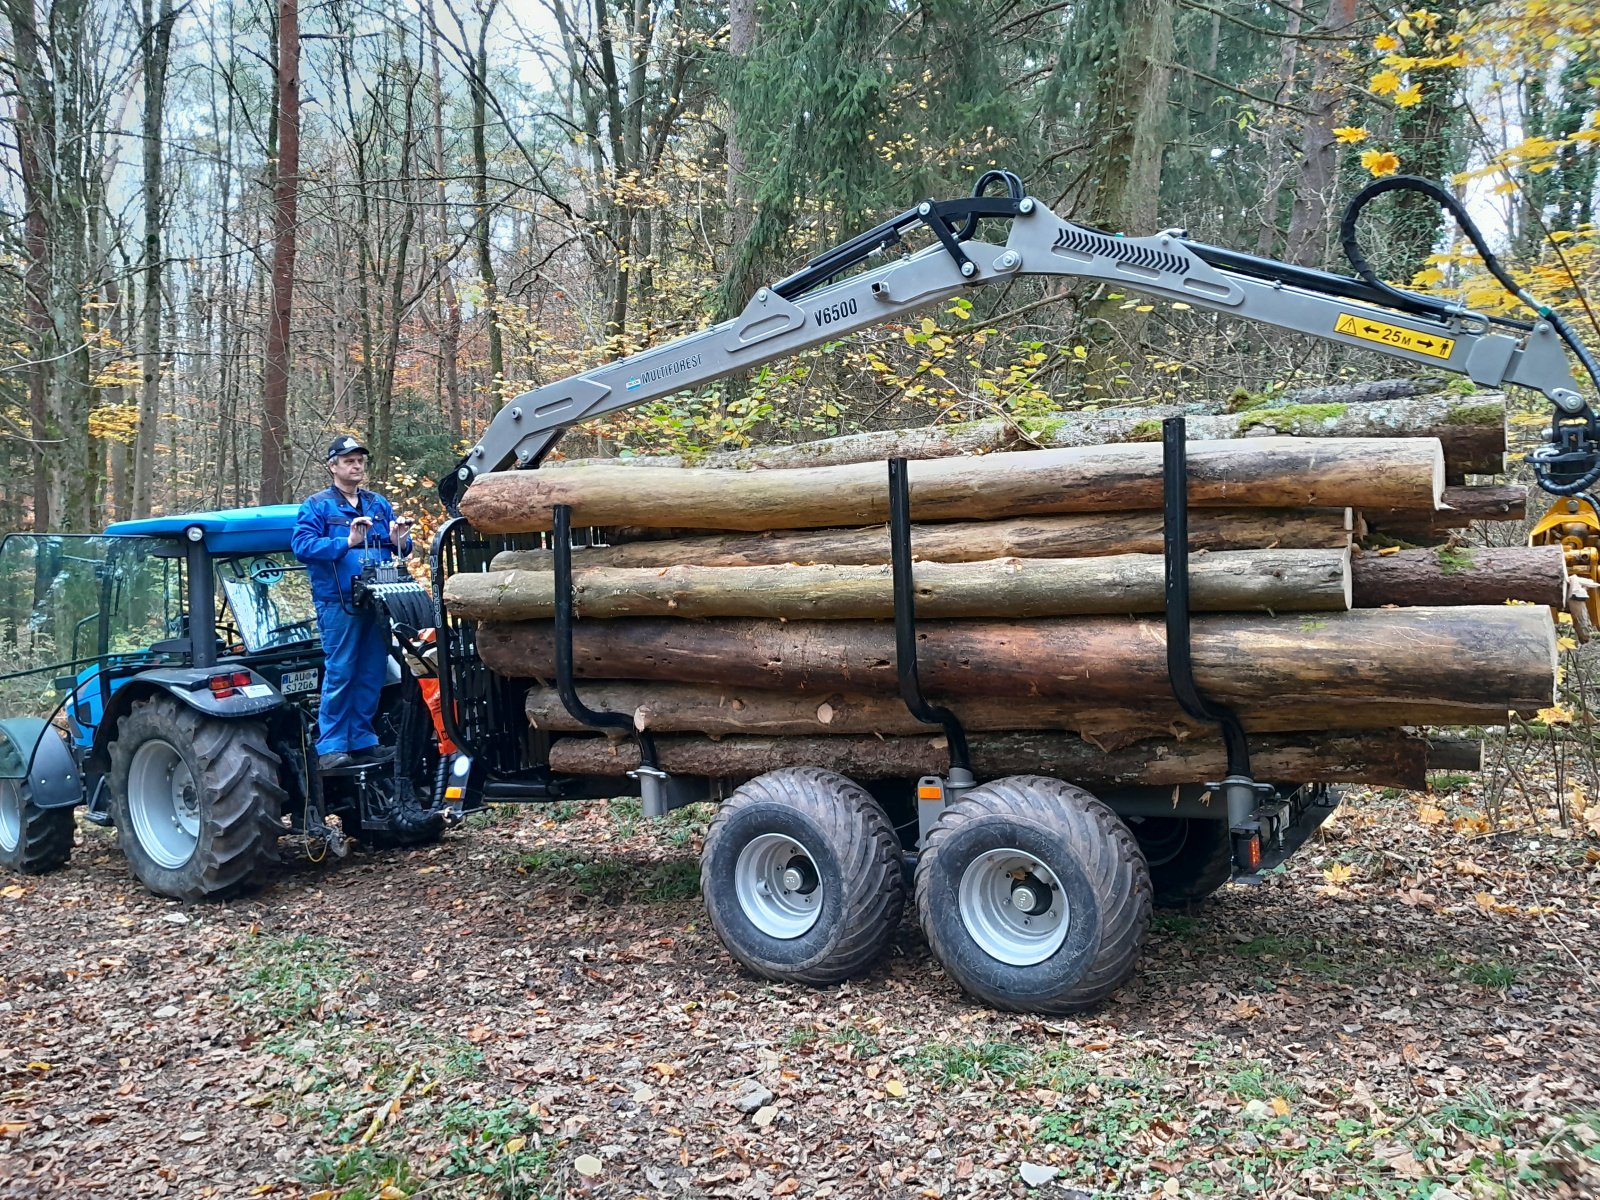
[(1543, 463)]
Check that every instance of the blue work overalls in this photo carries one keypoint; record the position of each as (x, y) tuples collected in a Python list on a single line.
[(355, 644)]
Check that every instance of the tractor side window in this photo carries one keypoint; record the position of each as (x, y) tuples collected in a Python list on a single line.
[(269, 602)]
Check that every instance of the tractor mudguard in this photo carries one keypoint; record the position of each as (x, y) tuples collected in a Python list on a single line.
[(36, 748), (189, 686)]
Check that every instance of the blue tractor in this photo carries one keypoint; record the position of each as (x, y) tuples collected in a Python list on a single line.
[(171, 670)]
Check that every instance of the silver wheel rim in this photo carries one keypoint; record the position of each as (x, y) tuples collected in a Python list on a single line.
[(163, 804), (10, 814), (778, 886), (1013, 907)]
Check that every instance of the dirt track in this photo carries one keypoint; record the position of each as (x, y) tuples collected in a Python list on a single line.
[(537, 1007)]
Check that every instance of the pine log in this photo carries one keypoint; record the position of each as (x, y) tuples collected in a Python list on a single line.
[(1393, 758), (1084, 535), (1461, 506), (1461, 575), (1260, 472), (719, 712), (1472, 430), (1500, 656), (1232, 581)]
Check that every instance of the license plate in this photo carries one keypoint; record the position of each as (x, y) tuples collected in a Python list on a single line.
[(298, 681)]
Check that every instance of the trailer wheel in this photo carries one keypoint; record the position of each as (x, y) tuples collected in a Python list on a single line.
[(801, 876), (33, 840), (1189, 857), (196, 800), (1033, 895)]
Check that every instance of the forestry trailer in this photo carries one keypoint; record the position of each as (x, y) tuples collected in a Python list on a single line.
[(1034, 894)]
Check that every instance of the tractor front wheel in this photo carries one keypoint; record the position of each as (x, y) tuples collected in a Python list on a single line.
[(33, 840), (196, 800)]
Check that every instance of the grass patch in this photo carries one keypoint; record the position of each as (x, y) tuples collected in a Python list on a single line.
[(1447, 781), (1495, 975), (286, 977), (493, 814), (1453, 560), (617, 880), (1049, 1066)]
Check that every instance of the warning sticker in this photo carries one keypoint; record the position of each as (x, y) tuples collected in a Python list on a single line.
[(1369, 330)]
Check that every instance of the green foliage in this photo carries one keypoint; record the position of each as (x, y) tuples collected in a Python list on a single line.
[(1475, 414), (285, 976), (1453, 560)]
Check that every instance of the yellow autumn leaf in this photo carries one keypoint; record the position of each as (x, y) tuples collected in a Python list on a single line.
[(516, 1144), (1384, 82), (1380, 162), (1556, 714), (13, 891), (1350, 135), (1410, 96), (895, 1088), (1280, 1106), (1430, 815), (1386, 41), (1427, 277), (390, 1192), (1339, 873), (928, 326)]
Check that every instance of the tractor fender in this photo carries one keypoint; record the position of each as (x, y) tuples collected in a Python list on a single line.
[(35, 748), (187, 685)]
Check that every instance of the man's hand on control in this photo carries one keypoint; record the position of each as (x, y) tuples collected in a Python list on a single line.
[(399, 529), (358, 530)]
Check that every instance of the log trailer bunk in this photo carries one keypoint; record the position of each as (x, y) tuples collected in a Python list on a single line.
[(1033, 895)]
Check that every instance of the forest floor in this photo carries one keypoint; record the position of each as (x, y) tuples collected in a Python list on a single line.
[(537, 1007)]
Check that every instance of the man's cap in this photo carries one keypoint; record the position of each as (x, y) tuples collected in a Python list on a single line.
[(345, 444)]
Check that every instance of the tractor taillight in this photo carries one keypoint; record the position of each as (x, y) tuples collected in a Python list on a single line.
[(223, 686)]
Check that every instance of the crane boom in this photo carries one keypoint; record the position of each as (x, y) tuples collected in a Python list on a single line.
[(812, 307)]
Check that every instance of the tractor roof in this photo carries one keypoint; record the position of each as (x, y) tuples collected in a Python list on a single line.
[(263, 530)]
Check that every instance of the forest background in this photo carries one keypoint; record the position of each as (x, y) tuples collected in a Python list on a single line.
[(231, 228)]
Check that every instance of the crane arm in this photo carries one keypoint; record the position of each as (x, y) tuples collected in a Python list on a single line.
[(811, 307)]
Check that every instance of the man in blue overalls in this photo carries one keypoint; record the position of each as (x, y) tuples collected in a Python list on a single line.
[(337, 533)]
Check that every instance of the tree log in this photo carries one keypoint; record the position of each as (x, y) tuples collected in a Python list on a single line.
[(1472, 430), (1461, 575), (1084, 535), (1460, 507), (1391, 758), (1497, 656), (1233, 581), (719, 712), (1259, 472)]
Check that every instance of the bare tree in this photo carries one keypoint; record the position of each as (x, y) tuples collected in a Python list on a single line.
[(275, 381)]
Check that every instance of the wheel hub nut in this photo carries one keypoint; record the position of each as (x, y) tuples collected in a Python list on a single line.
[(793, 880), (1023, 898)]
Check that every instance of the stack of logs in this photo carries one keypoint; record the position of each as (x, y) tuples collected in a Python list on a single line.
[(742, 613)]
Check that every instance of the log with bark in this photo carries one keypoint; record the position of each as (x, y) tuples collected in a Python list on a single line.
[(719, 712), (1495, 656), (1232, 581), (1388, 757), (1459, 507), (1472, 430), (1079, 535), (1461, 575), (1405, 473)]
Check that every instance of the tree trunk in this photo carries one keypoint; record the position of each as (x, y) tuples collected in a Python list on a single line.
[(483, 216), (719, 712), (157, 53), (1269, 472), (275, 390), (1462, 575), (743, 23), (1082, 535), (1238, 581), (1319, 161), (1495, 656), (1392, 758)]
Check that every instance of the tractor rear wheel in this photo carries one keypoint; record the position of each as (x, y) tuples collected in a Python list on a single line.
[(196, 800), (33, 840)]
